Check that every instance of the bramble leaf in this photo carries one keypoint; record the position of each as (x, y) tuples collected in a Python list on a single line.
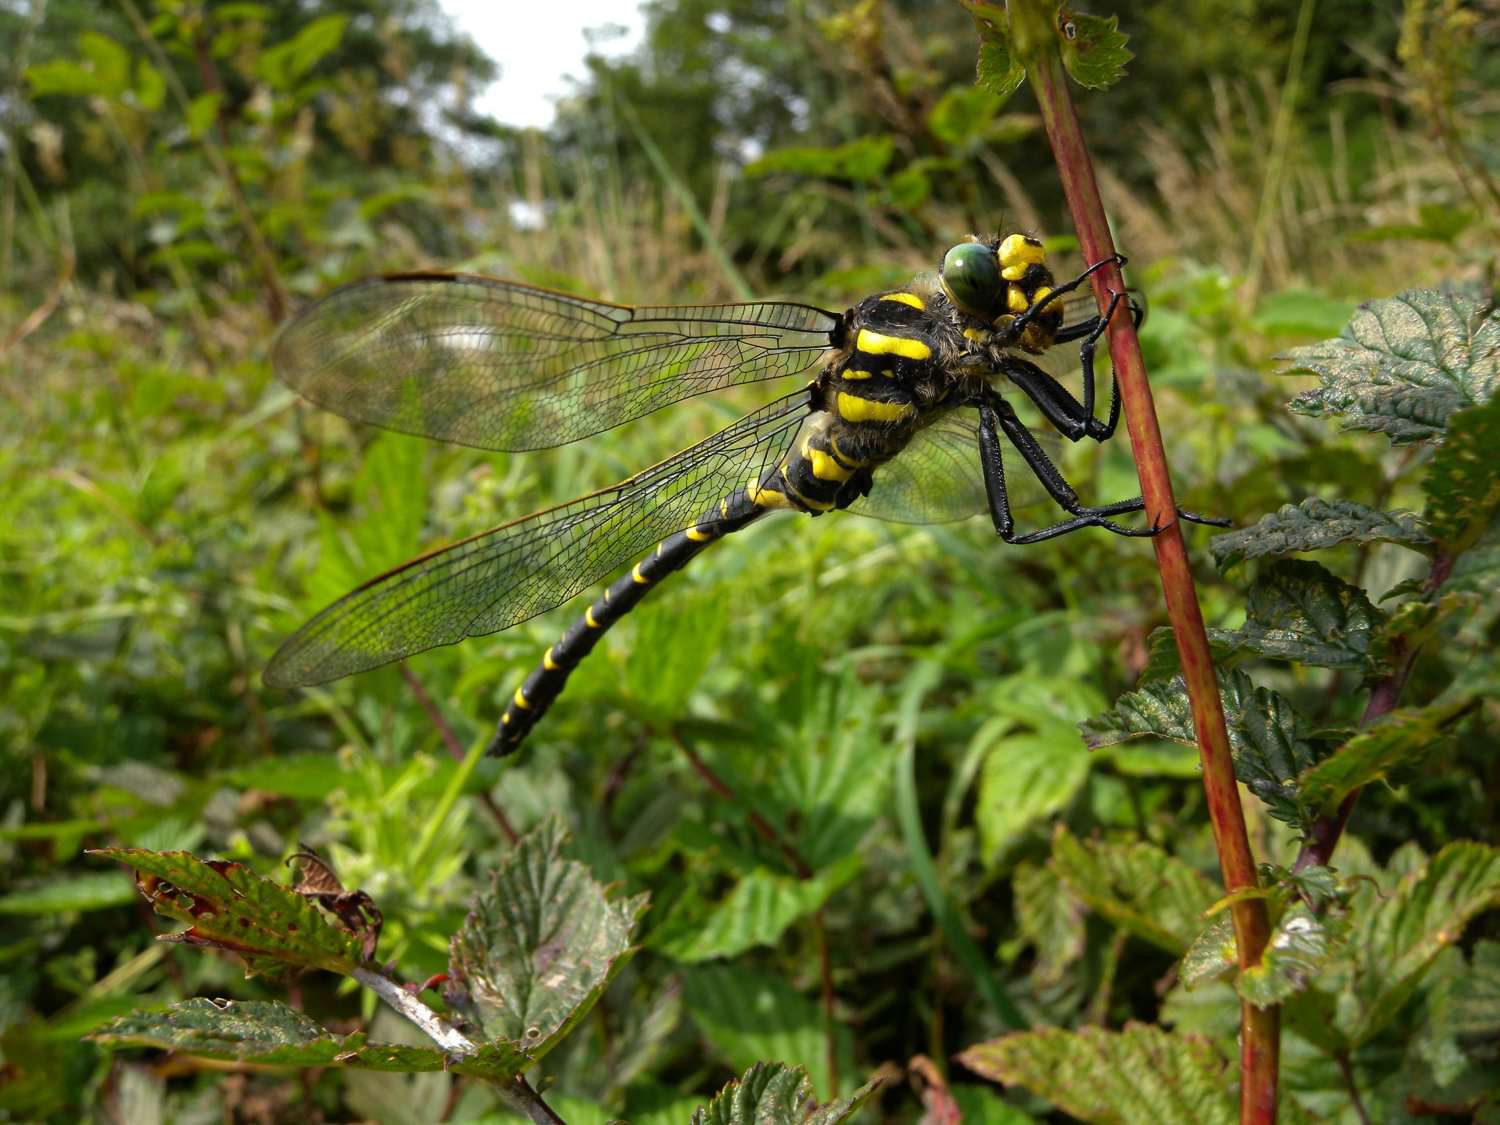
[(1298, 611), (269, 1033), (1093, 48), (540, 946), (1399, 738), (1137, 886), (1463, 481), (1314, 525), (1404, 365), (230, 907)]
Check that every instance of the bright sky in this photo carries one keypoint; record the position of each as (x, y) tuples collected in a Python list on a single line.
[(539, 46)]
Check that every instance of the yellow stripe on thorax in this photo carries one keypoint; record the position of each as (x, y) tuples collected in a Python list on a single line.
[(852, 408), (877, 343), (905, 299)]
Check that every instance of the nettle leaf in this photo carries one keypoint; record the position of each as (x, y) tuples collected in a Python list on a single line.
[(270, 1033), (1315, 525), (1463, 481), (1403, 366), (1163, 661), (773, 1093), (1395, 937), (1093, 48), (1269, 739), (540, 946), (1139, 1075), (228, 906), (1212, 954), (1136, 886), (1299, 947), (1399, 738), (1297, 610), (1050, 917), (999, 71)]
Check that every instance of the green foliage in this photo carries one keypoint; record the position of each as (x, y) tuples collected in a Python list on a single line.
[(773, 1093), (1315, 525)]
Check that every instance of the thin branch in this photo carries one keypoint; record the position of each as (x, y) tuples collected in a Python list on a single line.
[(1347, 1070)]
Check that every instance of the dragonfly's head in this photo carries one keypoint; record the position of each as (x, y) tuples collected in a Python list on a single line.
[(995, 281)]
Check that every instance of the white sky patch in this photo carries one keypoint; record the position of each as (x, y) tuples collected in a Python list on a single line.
[(539, 47)]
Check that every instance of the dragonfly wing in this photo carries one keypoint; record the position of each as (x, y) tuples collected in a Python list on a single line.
[(935, 479), (499, 365), (503, 576)]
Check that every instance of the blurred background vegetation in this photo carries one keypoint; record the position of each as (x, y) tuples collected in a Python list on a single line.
[(181, 176)]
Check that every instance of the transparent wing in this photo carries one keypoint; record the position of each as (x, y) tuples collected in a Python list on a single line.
[(935, 479), (498, 365), (501, 577)]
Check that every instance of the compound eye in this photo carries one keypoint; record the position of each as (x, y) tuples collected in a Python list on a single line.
[(971, 279)]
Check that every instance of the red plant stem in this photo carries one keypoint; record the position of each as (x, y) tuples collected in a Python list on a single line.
[(1259, 1027)]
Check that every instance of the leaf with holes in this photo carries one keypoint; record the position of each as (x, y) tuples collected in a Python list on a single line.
[(1315, 525), (1463, 481), (228, 906), (1298, 611), (1404, 366), (269, 1033), (539, 947)]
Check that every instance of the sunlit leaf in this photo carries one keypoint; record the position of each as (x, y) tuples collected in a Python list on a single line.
[(1315, 525), (1298, 611), (859, 160), (228, 906), (271, 1034), (540, 946), (1212, 954), (1025, 779), (1404, 365), (1093, 48), (1137, 886), (1300, 945), (94, 890), (1463, 481)]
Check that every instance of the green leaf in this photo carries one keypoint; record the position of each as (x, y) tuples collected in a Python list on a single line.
[(1024, 780), (1212, 954), (228, 906), (859, 160), (203, 111), (1403, 366), (962, 115), (756, 912), (268, 1033), (1269, 739), (999, 71), (1050, 917), (682, 637), (1315, 525), (841, 1109), (1298, 611), (1399, 738), (1139, 1076), (749, 1015), (96, 890), (284, 63), (1137, 886), (1463, 481), (1093, 48), (540, 946), (766, 1094), (1299, 947)]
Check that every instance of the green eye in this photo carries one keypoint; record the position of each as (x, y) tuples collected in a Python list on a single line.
[(971, 278)]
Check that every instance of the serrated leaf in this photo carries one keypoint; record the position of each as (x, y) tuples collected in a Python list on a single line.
[(999, 71), (1212, 954), (766, 1094), (1050, 917), (1404, 365), (1163, 660), (748, 1016), (269, 1033), (1137, 886), (1267, 736), (1093, 48), (228, 906), (841, 1109), (1315, 525), (1463, 481), (1139, 1076), (1024, 780), (1299, 947), (540, 946), (1297, 610), (1394, 938), (1399, 738)]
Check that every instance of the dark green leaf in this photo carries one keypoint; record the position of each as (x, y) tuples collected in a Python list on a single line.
[(228, 906), (999, 71), (539, 948), (1137, 886), (1139, 1076), (1163, 661), (1403, 366), (1314, 525), (1093, 48), (1299, 947), (269, 1033), (1463, 481), (766, 1094), (1298, 611), (1400, 738)]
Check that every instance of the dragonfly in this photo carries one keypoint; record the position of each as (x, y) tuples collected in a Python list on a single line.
[(903, 416)]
